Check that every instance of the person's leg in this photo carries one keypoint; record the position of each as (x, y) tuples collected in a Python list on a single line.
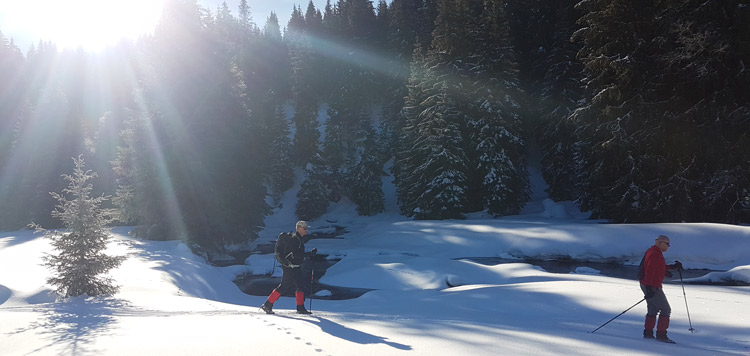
[(665, 310), (648, 327), (299, 294), (286, 282), (652, 309)]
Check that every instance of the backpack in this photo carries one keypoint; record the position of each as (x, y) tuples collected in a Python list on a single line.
[(641, 270), (280, 246)]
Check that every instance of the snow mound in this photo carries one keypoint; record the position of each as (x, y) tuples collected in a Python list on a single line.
[(739, 274), (587, 270), (323, 293)]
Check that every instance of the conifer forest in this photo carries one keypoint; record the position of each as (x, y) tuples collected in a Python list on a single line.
[(639, 110)]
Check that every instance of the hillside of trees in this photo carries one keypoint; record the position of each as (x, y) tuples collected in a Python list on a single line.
[(641, 110)]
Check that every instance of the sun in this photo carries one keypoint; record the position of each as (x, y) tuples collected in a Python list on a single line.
[(88, 24)]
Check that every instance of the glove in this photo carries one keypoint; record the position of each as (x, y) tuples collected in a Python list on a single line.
[(314, 251), (677, 265), (650, 292)]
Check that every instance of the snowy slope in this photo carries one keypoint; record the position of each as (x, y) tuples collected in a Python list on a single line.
[(424, 302)]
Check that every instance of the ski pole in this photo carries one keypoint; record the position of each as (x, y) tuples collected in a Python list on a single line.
[(618, 315), (686, 305), (312, 280)]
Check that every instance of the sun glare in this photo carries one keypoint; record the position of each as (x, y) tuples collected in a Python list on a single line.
[(90, 24)]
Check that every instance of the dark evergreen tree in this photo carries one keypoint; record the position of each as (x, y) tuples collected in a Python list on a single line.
[(304, 90), (13, 109), (357, 21), (561, 93), (79, 265), (338, 149), (431, 167), (497, 150), (466, 93), (383, 19), (140, 177), (404, 160), (658, 109), (617, 126), (49, 120), (429, 12), (366, 184), (202, 128), (306, 137), (313, 196), (703, 90), (442, 193), (281, 174), (272, 29), (313, 20), (403, 33), (246, 17)]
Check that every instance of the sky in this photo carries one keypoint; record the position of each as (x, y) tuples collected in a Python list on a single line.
[(70, 23), (426, 298)]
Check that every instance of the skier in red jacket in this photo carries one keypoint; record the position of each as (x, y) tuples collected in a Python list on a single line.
[(652, 271)]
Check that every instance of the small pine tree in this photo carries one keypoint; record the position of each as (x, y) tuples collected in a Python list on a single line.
[(80, 260)]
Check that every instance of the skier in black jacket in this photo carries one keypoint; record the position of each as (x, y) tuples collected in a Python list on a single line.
[(290, 252)]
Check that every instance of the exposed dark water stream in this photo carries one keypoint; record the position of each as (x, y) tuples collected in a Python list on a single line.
[(261, 285)]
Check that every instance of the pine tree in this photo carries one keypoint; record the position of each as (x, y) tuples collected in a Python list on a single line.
[(383, 18), (668, 93), (404, 160), (431, 167), (313, 20), (141, 199), (201, 126), (281, 174), (306, 136), (498, 149), (618, 127), (428, 13), (304, 90), (80, 262), (703, 91), (442, 194), (463, 145), (314, 195), (560, 94), (12, 111), (271, 29), (246, 18), (366, 181), (403, 30), (402, 36)]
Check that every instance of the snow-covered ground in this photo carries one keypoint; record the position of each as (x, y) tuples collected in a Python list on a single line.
[(426, 301)]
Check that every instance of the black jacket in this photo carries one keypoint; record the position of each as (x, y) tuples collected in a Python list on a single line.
[(290, 249)]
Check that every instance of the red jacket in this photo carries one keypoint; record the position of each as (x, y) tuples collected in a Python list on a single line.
[(654, 267)]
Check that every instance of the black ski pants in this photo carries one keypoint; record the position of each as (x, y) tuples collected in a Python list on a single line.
[(292, 277)]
